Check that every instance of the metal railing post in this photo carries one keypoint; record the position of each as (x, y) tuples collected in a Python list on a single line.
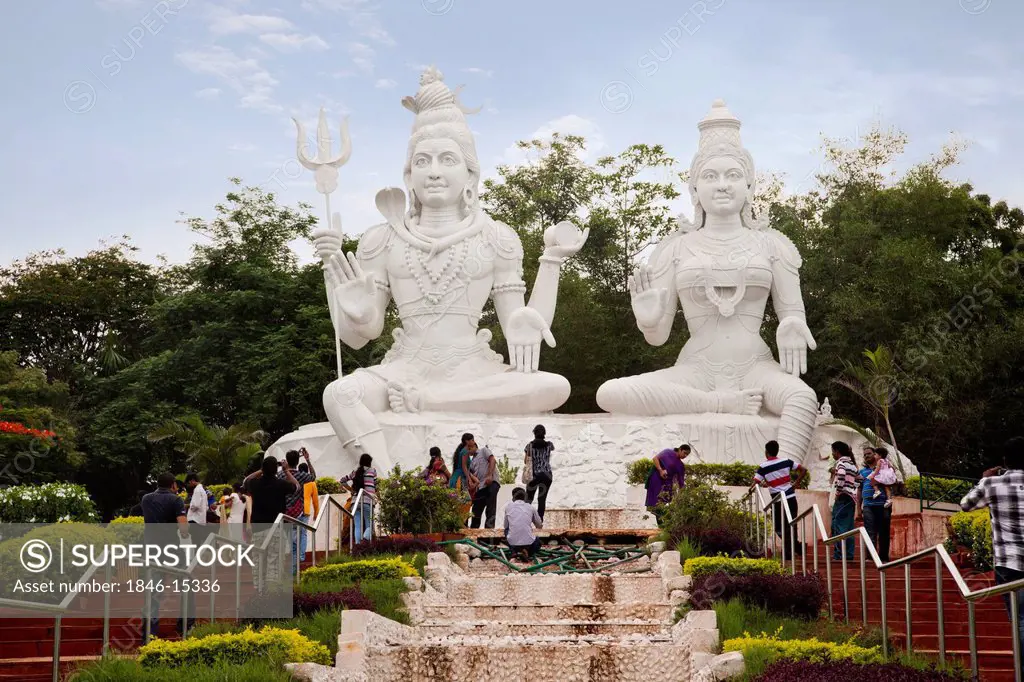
[(792, 538), (767, 528), (939, 611), (863, 580), (885, 619), (184, 615), (846, 585), (213, 577), (973, 634), (280, 553), (238, 589), (828, 581), (803, 542), (56, 647), (815, 548), (106, 611), (908, 607), (327, 553), (149, 607), (1015, 626)]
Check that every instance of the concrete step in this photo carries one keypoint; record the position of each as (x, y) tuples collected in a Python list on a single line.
[(544, 629), (500, 641), (533, 613), (566, 661), (558, 589)]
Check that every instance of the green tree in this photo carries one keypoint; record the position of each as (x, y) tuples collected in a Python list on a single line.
[(218, 453), (31, 409), (625, 210), (874, 381), (928, 269), (74, 317)]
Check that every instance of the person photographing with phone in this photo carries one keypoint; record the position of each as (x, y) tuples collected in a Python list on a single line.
[(1002, 491), (269, 499)]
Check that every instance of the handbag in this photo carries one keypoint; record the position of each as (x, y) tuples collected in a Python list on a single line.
[(527, 467)]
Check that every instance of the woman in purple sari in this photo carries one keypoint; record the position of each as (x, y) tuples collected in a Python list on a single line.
[(669, 471)]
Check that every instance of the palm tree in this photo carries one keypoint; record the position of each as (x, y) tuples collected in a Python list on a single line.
[(219, 454), (874, 381)]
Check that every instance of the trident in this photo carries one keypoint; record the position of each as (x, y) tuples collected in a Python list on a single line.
[(325, 168)]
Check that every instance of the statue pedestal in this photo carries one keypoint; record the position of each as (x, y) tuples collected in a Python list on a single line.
[(591, 450)]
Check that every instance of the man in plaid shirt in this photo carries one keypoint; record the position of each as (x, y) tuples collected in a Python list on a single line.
[(1003, 494)]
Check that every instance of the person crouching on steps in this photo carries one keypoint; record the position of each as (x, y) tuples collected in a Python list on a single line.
[(520, 517)]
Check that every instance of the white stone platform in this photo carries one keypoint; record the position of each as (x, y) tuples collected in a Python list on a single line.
[(591, 450)]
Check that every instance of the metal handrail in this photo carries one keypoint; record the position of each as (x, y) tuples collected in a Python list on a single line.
[(59, 610), (932, 504), (942, 559)]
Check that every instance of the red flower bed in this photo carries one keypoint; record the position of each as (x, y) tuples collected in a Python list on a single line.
[(21, 430), (844, 671), (791, 595), (390, 545), (350, 598)]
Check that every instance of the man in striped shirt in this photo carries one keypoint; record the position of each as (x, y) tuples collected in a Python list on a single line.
[(781, 477), (1003, 494)]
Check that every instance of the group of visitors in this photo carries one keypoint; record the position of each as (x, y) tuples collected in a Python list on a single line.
[(475, 470), (863, 492)]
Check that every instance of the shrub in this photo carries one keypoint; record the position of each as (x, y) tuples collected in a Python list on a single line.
[(844, 671), (120, 520), (351, 598), (707, 565), (972, 530), (727, 474), (128, 529), (637, 472), (773, 648), (715, 542), (701, 506), (48, 503), (945, 489), (790, 595), (507, 474), (358, 571), (688, 549), (408, 504), (326, 485), (117, 669), (389, 545), (235, 648), (11, 567)]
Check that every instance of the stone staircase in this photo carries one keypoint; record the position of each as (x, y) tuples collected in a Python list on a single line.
[(487, 624)]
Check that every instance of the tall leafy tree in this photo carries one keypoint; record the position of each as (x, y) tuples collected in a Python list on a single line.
[(622, 200), (76, 317), (37, 440)]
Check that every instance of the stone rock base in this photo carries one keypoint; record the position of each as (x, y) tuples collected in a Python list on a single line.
[(591, 450)]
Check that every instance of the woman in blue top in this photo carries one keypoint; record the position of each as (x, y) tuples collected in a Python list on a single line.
[(460, 463)]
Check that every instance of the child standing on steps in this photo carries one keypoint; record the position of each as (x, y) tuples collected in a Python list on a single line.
[(883, 476)]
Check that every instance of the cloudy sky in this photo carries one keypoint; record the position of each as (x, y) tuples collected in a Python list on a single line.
[(120, 114)]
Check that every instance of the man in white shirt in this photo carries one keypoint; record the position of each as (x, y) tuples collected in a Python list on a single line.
[(198, 504), (520, 517)]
